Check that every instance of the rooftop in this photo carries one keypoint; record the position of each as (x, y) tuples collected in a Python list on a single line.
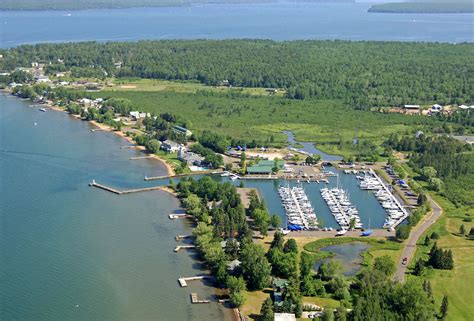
[(285, 317)]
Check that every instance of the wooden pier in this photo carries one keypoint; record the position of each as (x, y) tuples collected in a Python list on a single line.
[(119, 192), (183, 281), (182, 247), (182, 237), (195, 300), (141, 157), (128, 147), (176, 216)]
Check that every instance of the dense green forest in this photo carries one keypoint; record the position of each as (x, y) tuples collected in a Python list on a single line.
[(443, 162), (444, 6), (363, 74), (111, 4)]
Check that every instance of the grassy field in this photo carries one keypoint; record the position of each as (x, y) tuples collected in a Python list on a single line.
[(457, 283), (253, 303), (328, 123), (140, 84)]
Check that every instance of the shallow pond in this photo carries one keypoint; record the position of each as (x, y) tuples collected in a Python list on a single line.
[(348, 254)]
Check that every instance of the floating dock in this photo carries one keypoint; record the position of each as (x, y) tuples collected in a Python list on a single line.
[(182, 237), (176, 216), (195, 300), (182, 247), (183, 281)]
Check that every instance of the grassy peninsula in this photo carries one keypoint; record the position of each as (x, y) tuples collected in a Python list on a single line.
[(443, 6)]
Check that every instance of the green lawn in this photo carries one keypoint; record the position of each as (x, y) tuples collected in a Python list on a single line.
[(139, 84), (456, 284)]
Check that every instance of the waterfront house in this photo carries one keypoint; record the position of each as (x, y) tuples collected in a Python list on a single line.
[(182, 130), (42, 79), (169, 146), (189, 157), (136, 115)]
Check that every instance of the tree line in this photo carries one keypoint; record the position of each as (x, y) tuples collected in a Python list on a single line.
[(364, 74)]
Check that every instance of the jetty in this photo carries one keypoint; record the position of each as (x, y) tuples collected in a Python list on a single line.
[(195, 300), (182, 247), (183, 281), (182, 237), (119, 192), (128, 147), (176, 216), (141, 157)]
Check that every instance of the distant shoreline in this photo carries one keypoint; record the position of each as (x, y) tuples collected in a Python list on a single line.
[(455, 7), (54, 5)]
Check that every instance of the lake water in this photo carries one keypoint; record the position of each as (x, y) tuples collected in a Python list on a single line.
[(278, 21), (348, 254), (72, 252)]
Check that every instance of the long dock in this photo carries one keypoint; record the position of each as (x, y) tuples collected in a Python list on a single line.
[(195, 300), (176, 216), (119, 192), (183, 281), (141, 157), (182, 247), (393, 198)]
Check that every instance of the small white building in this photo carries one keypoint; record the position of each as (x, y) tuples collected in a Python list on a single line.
[(85, 102), (285, 317), (136, 115), (42, 79), (412, 107)]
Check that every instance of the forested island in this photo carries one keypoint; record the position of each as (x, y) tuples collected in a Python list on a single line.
[(363, 74), (118, 4), (443, 6)]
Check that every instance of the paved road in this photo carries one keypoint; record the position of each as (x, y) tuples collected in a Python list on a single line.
[(410, 245)]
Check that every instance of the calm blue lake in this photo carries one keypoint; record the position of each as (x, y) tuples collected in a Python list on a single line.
[(279, 21), (72, 252)]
